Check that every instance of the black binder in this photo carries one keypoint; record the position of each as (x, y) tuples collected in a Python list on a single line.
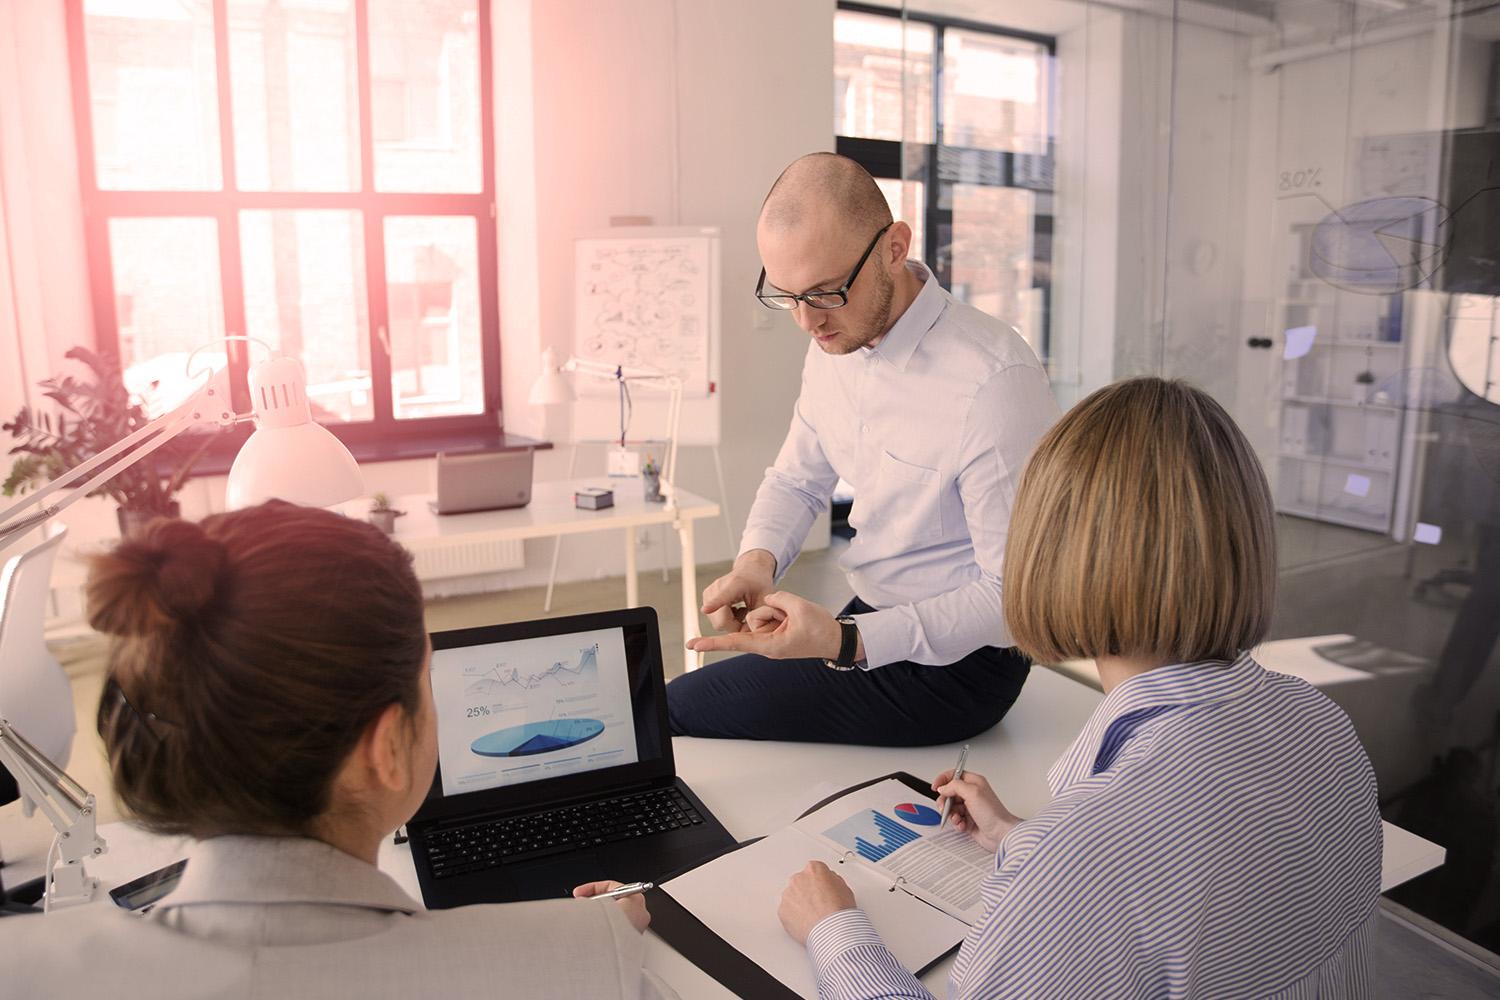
[(717, 957)]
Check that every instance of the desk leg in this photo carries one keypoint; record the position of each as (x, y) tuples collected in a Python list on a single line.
[(691, 660), (632, 585)]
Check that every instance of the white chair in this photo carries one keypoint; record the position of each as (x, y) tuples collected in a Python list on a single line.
[(34, 692)]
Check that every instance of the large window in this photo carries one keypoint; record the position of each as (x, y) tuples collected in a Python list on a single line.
[(317, 174), (955, 122)]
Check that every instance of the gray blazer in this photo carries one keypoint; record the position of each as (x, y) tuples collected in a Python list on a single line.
[(281, 917)]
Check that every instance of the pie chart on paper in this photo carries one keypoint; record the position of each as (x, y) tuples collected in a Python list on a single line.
[(917, 815)]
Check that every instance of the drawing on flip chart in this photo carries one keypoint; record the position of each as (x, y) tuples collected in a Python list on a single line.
[(648, 300)]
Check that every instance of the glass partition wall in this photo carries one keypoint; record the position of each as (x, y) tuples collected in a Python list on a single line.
[(1295, 205)]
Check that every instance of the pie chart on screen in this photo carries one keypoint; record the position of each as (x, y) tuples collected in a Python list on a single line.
[(917, 815), (537, 737)]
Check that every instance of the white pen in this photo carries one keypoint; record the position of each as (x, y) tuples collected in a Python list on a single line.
[(958, 772), (625, 890)]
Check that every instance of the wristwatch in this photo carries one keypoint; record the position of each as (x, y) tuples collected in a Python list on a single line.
[(847, 646)]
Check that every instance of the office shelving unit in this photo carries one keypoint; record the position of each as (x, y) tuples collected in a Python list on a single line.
[(1341, 418)]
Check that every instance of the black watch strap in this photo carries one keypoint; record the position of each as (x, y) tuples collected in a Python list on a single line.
[(848, 644)]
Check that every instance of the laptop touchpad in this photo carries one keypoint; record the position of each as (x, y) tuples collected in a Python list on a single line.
[(549, 879)]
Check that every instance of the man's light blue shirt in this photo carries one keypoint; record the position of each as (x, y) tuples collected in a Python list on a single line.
[(932, 427)]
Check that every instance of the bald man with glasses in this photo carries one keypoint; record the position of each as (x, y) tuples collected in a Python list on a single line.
[(929, 408)]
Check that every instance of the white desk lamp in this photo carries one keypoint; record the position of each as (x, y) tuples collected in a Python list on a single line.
[(288, 457), (552, 387)]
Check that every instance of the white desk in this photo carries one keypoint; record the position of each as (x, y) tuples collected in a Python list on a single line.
[(1297, 657), (552, 514), (755, 788)]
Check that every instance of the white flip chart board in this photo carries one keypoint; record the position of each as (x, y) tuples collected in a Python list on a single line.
[(648, 297)]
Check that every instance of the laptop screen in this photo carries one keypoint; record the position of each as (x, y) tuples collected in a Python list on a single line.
[(528, 702)]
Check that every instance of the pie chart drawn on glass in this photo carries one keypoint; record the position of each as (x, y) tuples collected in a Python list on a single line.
[(1382, 245), (537, 737), (917, 815)]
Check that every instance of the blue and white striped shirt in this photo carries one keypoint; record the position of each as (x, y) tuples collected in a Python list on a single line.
[(1213, 832)]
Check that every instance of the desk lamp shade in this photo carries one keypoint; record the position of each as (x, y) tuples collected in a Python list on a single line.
[(289, 457), (551, 386)]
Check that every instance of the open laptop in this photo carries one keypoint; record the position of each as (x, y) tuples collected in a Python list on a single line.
[(554, 763), (492, 480)]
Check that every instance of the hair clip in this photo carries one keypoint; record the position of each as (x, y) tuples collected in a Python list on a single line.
[(144, 718)]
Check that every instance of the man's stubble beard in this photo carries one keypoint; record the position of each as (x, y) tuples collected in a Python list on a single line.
[(880, 317)]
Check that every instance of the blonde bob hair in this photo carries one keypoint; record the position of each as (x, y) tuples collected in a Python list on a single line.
[(1142, 528)]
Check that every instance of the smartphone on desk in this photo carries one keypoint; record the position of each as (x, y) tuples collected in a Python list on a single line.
[(142, 893)]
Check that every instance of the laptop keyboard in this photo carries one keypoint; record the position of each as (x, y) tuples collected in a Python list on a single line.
[(459, 850)]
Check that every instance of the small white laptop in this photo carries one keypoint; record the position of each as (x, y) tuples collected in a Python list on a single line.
[(493, 480)]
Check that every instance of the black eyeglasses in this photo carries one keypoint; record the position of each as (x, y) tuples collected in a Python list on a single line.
[(833, 299)]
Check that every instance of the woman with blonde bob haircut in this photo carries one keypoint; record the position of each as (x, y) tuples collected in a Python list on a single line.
[(1213, 831), (1143, 529)]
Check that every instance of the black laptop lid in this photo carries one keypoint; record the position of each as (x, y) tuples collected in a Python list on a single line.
[(544, 711)]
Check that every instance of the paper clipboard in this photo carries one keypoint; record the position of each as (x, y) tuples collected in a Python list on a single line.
[(676, 925)]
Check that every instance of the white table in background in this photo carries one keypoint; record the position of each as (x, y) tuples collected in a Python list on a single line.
[(757, 787), (1298, 657), (552, 514)]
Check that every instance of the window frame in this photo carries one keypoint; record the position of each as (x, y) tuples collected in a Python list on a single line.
[(366, 437), (885, 158)]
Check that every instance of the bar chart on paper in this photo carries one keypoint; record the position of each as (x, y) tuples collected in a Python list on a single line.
[(872, 835)]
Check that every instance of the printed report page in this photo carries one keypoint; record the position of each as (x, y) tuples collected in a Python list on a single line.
[(737, 896), (889, 826)]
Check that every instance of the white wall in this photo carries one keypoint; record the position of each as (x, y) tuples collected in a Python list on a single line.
[(1151, 153), (44, 289), (628, 95), (1090, 173), (1204, 235)]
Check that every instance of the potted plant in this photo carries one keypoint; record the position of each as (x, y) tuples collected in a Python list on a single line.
[(383, 515), (93, 413)]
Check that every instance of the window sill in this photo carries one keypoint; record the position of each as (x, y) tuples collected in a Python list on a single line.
[(218, 460)]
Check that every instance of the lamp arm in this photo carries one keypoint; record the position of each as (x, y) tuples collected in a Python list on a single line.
[(616, 373), (672, 383), (115, 459), (60, 798), (594, 369), (67, 806)]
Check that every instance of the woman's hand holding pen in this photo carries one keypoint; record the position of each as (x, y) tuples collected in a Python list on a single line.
[(976, 808), (634, 906)]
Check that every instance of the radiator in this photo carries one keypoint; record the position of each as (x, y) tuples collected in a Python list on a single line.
[(446, 558)]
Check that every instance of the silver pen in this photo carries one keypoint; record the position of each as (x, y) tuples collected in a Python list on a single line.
[(958, 772), (625, 890)]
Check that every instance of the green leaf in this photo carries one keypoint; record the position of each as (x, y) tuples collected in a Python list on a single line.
[(93, 412), (23, 475)]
